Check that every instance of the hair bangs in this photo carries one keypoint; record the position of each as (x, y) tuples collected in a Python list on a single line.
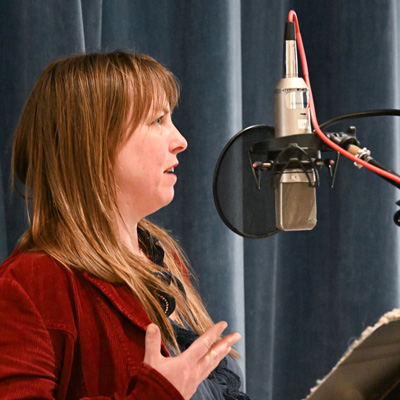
[(148, 86)]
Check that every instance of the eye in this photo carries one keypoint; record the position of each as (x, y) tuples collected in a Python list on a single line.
[(159, 120)]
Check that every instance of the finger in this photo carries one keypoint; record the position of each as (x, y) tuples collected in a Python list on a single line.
[(221, 348), (229, 340), (203, 344), (152, 344), (216, 353)]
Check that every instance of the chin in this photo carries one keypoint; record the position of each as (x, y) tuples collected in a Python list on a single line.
[(162, 203), (168, 200)]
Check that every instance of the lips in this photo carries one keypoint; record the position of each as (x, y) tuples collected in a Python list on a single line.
[(171, 170)]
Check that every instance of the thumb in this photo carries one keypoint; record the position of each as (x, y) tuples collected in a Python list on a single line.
[(152, 344)]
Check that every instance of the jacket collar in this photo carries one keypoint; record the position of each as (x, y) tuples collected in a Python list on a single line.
[(121, 296)]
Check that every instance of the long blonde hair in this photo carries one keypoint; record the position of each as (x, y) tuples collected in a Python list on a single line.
[(64, 153)]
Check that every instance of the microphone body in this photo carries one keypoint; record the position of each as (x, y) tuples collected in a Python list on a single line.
[(295, 187)]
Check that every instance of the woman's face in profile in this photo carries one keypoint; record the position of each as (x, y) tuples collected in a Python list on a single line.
[(145, 164)]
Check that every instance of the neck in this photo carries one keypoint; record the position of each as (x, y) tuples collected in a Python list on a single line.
[(129, 237), (127, 233), (127, 225)]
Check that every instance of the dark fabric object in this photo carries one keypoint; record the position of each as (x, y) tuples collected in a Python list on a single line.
[(224, 383), (153, 250), (299, 298), (151, 247)]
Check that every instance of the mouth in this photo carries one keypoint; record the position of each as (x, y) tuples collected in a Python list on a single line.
[(170, 170)]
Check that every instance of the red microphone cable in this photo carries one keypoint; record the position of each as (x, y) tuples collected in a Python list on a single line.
[(293, 18)]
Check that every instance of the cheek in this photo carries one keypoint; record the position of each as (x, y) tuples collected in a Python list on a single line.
[(142, 162), (154, 157), (127, 169)]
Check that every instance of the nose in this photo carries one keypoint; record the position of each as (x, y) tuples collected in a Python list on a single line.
[(179, 143)]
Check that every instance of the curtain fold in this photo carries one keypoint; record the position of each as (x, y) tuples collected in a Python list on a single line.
[(3, 236), (297, 298), (92, 18), (32, 33)]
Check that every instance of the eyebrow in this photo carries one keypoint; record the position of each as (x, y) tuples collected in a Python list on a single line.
[(164, 109)]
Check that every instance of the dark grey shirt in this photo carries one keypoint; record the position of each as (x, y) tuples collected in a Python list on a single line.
[(224, 383)]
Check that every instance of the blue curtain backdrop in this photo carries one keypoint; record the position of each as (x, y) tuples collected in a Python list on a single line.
[(298, 299)]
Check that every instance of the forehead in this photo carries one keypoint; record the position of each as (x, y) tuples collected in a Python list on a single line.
[(160, 103), (157, 109), (152, 90), (162, 93)]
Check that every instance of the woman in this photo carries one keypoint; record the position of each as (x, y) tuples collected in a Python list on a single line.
[(95, 298)]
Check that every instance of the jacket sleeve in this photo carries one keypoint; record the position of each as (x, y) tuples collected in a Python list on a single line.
[(29, 365)]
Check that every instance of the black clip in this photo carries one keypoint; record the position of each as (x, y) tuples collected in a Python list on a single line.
[(295, 157), (396, 217)]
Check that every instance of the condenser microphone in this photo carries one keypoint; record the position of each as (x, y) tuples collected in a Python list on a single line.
[(266, 177), (295, 184)]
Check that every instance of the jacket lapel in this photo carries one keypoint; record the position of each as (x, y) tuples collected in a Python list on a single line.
[(125, 301)]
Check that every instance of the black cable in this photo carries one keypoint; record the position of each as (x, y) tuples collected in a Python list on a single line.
[(379, 165), (365, 114), (361, 114)]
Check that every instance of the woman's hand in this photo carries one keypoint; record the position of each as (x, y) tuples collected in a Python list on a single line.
[(191, 367)]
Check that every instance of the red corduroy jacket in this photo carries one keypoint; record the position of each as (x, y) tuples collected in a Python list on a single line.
[(67, 335)]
